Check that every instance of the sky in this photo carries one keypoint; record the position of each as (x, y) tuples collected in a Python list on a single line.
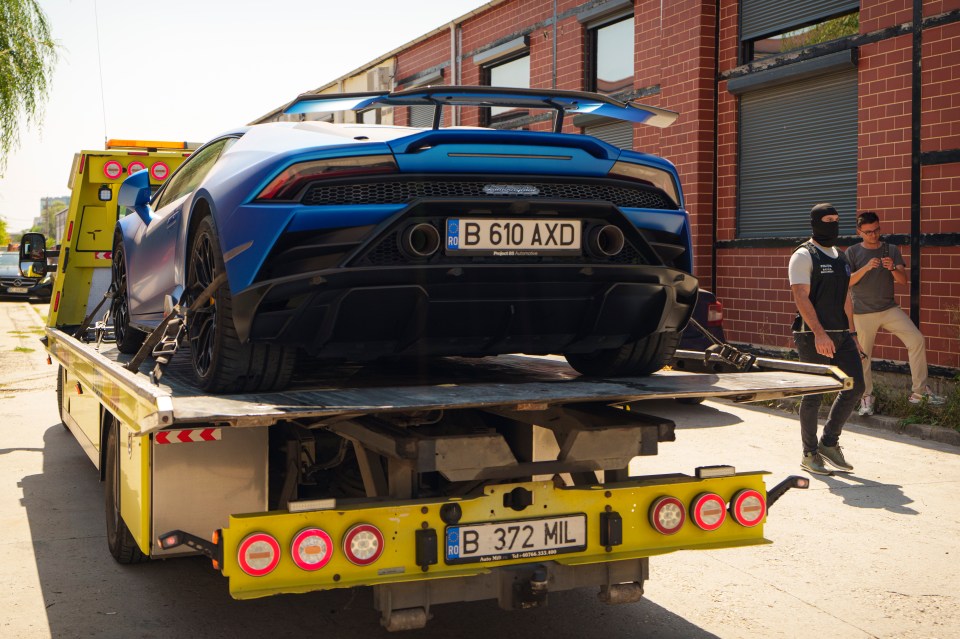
[(190, 69)]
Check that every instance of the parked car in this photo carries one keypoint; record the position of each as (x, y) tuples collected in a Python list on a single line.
[(15, 283), (357, 242), (708, 312)]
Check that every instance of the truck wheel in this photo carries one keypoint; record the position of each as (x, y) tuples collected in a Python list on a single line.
[(121, 543), (129, 339), (221, 363), (645, 356)]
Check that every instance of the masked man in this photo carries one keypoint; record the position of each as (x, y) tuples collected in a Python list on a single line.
[(820, 282)]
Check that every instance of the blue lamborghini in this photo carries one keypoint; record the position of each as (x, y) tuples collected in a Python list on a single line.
[(354, 242)]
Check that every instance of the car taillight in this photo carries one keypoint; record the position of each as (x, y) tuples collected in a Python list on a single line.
[(363, 544), (258, 554), (287, 185), (311, 549), (667, 515), (708, 511), (748, 508), (714, 314)]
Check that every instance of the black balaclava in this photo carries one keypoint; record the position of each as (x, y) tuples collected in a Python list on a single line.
[(824, 233)]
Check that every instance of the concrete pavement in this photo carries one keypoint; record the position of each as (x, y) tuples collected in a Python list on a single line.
[(866, 554)]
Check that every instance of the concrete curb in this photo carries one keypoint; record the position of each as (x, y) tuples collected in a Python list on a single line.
[(884, 423), (919, 431)]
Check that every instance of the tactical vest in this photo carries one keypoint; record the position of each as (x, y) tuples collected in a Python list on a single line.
[(829, 281)]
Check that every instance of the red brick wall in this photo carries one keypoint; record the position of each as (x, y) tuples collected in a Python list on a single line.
[(674, 50), (687, 86)]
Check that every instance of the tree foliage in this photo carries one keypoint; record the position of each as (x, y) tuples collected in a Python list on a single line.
[(27, 57), (4, 238)]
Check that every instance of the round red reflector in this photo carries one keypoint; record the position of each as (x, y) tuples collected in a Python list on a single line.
[(708, 511), (258, 554), (667, 515), (135, 166), (311, 549), (363, 544), (113, 169), (159, 171), (748, 507)]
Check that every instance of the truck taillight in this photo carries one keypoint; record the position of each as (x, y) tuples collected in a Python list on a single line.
[(708, 511), (667, 515), (748, 508), (311, 549), (287, 185), (715, 314), (363, 544), (258, 554)]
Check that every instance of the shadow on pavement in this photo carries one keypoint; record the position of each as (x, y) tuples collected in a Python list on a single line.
[(688, 415), (87, 594), (868, 493)]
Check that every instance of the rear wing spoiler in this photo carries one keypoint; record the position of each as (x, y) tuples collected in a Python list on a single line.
[(561, 102)]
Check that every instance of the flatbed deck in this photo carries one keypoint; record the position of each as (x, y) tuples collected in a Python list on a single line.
[(444, 383)]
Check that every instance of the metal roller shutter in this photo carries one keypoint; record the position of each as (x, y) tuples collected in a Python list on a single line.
[(422, 116), (798, 147), (619, 134), (765, 17)]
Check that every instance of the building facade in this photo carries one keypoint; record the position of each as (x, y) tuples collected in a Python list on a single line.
[(783, 104)]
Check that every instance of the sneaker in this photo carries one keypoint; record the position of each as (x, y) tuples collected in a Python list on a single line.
[(928, 396), (834, 455), (813, 463), (866, 405)]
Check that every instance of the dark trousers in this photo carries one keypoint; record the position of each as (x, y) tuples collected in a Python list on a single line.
[(847, 359)]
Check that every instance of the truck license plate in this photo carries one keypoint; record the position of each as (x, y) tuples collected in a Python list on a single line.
[(16, 289), (521, 539), (513, 238)]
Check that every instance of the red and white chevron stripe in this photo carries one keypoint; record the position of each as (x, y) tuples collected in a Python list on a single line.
[(188, 436)]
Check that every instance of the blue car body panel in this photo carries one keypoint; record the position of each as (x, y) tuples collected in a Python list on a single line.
[(276, 251)]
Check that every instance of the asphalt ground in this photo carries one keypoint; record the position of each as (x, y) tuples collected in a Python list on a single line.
[(871, 553)]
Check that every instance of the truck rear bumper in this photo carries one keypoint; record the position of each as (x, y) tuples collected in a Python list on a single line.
[(413, 541)]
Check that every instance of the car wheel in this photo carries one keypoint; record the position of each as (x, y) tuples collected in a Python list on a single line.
[(221, 363), (129, 339), (644, 356), (120, 541)]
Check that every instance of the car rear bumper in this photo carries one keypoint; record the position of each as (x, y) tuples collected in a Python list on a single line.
[(363, 314)]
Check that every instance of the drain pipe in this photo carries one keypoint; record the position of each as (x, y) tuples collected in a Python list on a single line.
[(554, 84), (454, 79)]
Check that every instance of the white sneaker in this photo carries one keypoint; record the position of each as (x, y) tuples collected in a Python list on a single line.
[(866, 405), (928, 396)]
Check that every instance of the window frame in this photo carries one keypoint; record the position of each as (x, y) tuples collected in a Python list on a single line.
[(592, 56)]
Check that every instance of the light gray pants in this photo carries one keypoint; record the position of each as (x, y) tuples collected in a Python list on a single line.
[(893, 320)]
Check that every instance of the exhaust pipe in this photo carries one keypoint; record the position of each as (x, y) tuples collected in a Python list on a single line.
[(605, 241), (420, 240)]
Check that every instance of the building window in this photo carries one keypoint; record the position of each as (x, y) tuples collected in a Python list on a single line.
[(774, 27), (511, 73), (611, 57), (370, 116)]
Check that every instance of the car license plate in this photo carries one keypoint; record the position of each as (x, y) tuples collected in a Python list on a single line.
[(16, 289), (513, 238), (520, 539)]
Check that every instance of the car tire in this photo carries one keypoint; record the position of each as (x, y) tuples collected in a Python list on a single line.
[(644, 356), (221, 363), (129, 339), (120, 541)]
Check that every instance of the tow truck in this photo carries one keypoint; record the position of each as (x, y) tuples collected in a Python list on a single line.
[(451, 480)]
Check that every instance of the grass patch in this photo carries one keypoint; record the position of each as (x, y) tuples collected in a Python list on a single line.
[(23, 349)]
